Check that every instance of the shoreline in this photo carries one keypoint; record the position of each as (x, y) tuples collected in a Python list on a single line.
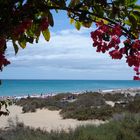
[(131, 91)]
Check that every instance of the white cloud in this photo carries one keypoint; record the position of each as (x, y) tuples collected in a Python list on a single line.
[(69, 52)]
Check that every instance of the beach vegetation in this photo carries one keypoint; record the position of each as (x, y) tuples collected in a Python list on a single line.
[(134, 106), (126, 128), (115, 97), (89, 105), (51, 102), (4, 106)]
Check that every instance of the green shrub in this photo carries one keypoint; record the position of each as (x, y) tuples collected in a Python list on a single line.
[(89, 105), (114, 97), (134, 106)]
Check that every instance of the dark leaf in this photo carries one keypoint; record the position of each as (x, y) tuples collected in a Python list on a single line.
[(50, 18), (15, 47)]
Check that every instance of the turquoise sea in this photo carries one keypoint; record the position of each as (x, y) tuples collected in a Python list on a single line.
[(25, 87)]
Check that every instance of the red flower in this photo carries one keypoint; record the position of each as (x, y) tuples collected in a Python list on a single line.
[(127, 41), (136, 69), (107, 37), (133, 61), (117, 30), (116, 54), (115, 39), (27, 23), (123, 50), (136, 78), (136, 44), (3, 61), (99, 23)]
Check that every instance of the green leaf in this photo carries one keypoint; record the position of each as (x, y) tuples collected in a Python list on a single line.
[(127, 22), (133, 20), (46, 34), (62, 3), (74, 2), (71, 20), (30, 40), (15, 47), (22, 44), (30, 32), (77, 25), (130, 2), (37, 39), (99, 10), (87, 24), (50, 18), (37, 33), (136, 7), (137, 14)]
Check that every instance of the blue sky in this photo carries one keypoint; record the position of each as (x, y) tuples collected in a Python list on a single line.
[(68, 55)]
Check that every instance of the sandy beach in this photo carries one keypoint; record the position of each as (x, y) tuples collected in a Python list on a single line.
[(45, 119)]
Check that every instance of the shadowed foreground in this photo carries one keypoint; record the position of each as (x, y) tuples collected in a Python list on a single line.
[(124, 128)]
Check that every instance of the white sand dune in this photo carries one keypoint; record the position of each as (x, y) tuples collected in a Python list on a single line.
[(45, 119)]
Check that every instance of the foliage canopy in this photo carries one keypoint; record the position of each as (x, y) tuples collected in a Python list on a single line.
[(23, 21)]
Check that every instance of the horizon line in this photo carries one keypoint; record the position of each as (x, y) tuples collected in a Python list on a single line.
[(73, 79)]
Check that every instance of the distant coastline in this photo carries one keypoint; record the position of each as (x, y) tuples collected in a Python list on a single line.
[(25, 87), (131, 91)]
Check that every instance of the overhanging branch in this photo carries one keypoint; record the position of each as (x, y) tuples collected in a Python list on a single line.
[(73, 10)]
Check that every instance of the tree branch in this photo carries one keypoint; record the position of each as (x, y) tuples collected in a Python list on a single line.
[(73, 10)]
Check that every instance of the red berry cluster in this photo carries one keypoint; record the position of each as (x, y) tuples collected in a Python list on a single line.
[(26, 24), (133, 56), (3, 60), (21, 28), (44, 24), (107, 39)]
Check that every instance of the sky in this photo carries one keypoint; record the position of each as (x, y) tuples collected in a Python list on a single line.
[(68, 55)]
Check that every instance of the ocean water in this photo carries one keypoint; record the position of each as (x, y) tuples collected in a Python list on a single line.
[(25, 87)]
